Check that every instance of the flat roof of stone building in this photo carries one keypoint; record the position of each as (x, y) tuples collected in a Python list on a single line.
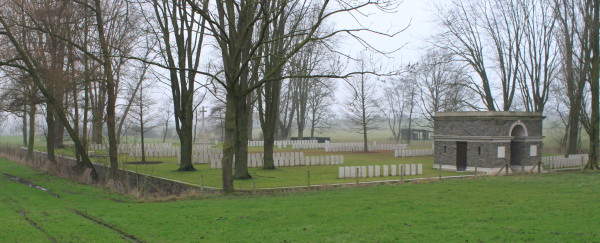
[(484, 114)]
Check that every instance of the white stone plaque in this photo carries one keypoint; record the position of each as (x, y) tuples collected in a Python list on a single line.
[(501, 152), (533, 150)]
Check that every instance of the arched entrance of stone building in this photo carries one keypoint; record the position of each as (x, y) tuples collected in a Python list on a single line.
[(518, 146)]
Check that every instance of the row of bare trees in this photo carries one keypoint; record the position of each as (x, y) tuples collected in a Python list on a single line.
[(92, 61), (521, 50)]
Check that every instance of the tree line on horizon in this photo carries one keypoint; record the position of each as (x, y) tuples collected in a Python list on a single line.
[(89, 67)]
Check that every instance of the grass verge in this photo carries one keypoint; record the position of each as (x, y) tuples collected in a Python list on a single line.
[(534, 208)]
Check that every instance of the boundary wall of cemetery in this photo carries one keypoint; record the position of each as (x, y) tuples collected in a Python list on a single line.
[(131, 179)]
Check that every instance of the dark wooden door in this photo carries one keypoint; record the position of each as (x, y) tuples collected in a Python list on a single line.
[(461, 156)]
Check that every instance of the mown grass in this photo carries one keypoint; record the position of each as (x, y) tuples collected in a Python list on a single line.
[(532, 208), (282, 176)]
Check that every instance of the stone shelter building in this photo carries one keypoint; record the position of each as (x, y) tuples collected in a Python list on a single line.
[(488, 140)]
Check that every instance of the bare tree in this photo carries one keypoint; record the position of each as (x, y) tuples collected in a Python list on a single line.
[(361, 109), (539, 53), (410, 90), (180, 32), (21, 98), (571, 38), (22, 56), (233, 24), (441, 83), (142, 116), (482, 32), (319, 100), (166, 118), (592, 28), (577, 42), (393, 106)]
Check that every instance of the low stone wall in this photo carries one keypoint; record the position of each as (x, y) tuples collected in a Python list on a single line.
[(130, 180)]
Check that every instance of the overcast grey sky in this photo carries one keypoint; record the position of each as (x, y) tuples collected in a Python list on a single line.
[(416, 14)]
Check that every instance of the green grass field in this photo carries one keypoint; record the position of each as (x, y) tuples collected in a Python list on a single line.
[(533, 208)]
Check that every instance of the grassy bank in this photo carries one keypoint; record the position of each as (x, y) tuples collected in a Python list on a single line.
[(533, 208)]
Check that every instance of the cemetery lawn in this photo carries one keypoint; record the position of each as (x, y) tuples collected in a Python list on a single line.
[(559, 207), (281, 177)]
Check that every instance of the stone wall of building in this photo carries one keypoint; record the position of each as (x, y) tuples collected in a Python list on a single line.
[(479, 153), (470, 126), (484, 133)]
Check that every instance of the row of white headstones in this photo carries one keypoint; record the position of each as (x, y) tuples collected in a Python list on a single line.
[(289, 161), (559, 161), (349, 147), (412, 152), (298, 159), (281, 143), (379, 171)]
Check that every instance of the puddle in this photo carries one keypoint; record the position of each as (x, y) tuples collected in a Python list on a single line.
[(29, 184)]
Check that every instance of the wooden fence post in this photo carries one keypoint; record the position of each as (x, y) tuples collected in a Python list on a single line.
[(201, 183)]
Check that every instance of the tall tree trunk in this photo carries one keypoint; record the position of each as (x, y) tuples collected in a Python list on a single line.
[(32, 110), (59, 132), (111, 90), (313, 121), (574, 87), (97, 125), (186, 140), (364, 116), (228, 142), (86, 108), (573, 125), (25, 127), (142, 130), (399, 134), (195, 125), (76, 119), (594, 86), (50, 123), (272, 98), (241, 142), (186, 129), (409, 125), (250, 114), (166, 130)]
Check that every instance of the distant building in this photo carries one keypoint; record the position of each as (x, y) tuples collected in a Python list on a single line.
[(487, 140), (415, 134)]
